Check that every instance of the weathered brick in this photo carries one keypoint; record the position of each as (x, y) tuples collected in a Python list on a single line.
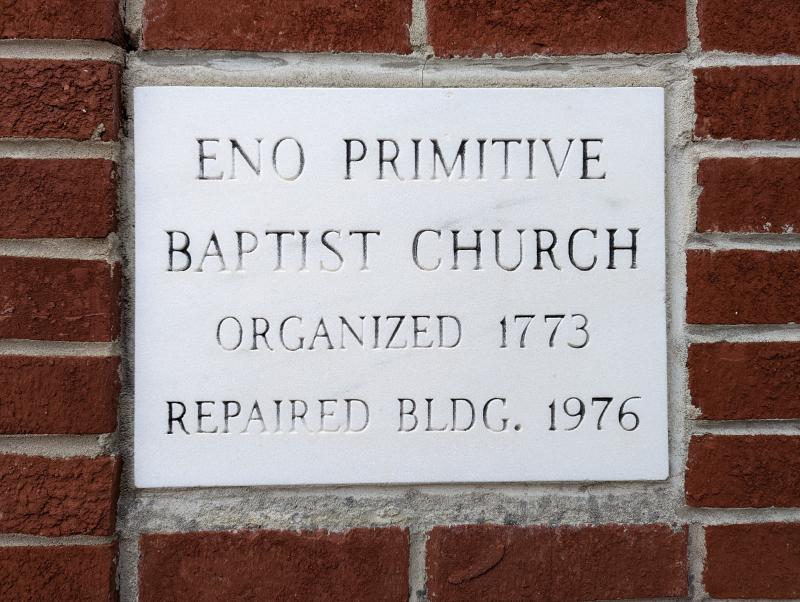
[(58, 299), (68, 573), (67, 19), (749, 195), (279, 25), (491, 27), (58, 496), (743, 471), (742, 381), (78, 100), (543, 564), (753, 561), (57, 198), (754, 26), (46, 395), (358, 565), (743, 287), (748, 103)]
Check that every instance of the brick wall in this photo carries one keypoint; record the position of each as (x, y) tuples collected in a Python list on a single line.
[(725, 525), (60, 117)]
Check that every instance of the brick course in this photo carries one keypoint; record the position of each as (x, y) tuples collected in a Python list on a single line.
[(543, 564), (68, 573), (749, 195), (358, 565), (82, 19), (743, 287), (755, 26), (58, 496), (47, 395), (753, 561), (57, 198), (743, 471), (493, 27), (745, 381), (275, 25), (77, 100), (58, 299), (748, 103)]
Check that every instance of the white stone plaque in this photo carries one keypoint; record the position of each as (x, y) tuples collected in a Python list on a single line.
[(399, 286)]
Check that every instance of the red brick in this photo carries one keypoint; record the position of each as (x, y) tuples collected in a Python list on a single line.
[(57, 198), (491, 27), (754, 26), (742, 381), (359, 565), (748, 103), (78, 100), (743, 471), (58, 394), (58, 496), (67, 19), (68, 573), (542, 564), (58, 299), (753, 561), (743, 287), (279, 25), (749, 195)]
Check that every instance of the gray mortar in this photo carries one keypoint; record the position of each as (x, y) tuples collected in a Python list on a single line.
[(61, 50), (416, 507)]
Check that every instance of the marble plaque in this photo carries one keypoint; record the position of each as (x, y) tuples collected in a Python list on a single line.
[(339, 286)]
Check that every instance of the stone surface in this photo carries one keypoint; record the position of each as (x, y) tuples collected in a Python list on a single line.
[(279, 25), (48, 395), (57, 198), (759, 194), (502, 407), (358, 565), (58, 496), (743, 287), (748, 103), (68, 573), (58, 299), (564, 564), (753, 26), (743, 471), (495, 27), (84, 19), (744, 381), (753, 561), (78, 100)]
